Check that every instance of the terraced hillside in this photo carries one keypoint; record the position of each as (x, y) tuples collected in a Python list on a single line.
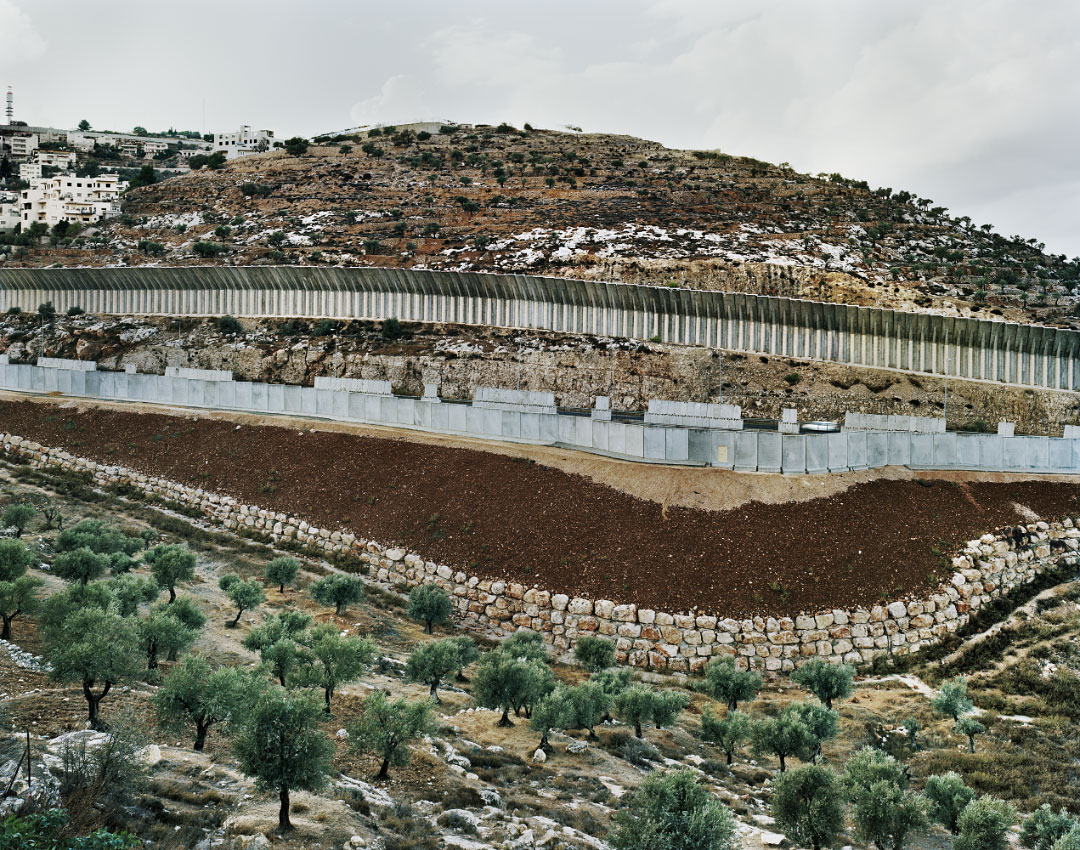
[(598, 206)]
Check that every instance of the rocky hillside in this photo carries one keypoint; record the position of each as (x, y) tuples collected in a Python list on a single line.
[(577, 368), (568, 204)]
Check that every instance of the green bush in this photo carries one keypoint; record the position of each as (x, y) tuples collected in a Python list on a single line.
[(18, 516), (672, 811), (808, 805), (391, 329), (229, 325), (208, 250), (429, 604)]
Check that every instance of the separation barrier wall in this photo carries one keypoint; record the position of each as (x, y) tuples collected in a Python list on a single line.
[(975, 349), (741, 450)]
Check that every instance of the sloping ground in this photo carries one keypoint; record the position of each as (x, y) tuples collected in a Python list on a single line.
[(577, 368), (601, 206), (505, 517)]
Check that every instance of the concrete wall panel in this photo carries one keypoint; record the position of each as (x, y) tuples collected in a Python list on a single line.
[(793, 447), (770, 452), (1026, 354)]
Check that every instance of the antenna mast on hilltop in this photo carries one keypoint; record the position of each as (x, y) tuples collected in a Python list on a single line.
[(10, 105)]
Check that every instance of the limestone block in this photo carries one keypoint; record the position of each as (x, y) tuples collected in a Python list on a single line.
[(625, 613), (632, 630), (603, 608), (579, 605), (646, 616)]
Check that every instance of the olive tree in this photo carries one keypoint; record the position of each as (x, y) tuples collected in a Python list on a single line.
[(725, 683), (1070, 840), (822, 723), (243, 594), (553, 711), (826, 681), (171, 564), (948, 795), (783, 736), (341, 591), (18, 516), (97, 536), (587, 705), (431, 663), (333, 659), (594, 653), (17, 590), (195, 693), (94, 648), (886, 815), (984, 825), (503, 682), (808, 805), (80, 565), (868, 766), (279, 640), (385, 728), (970, 727), (1046, 827), (640, 704), (467, 653), (429, 604), (162, 633), (952, 700), (282, 747), (282, 571), (728, 733), (671, 810)]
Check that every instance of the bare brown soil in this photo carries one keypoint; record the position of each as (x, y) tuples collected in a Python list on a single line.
[(510, 517)]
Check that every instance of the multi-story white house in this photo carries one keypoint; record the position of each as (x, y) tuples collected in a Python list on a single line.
[(9, 217), (30, 170), (55, 159), (243, 143), (70, 198), (21, 145), (150, 148)]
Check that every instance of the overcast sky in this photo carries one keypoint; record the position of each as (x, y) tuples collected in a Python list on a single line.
[(973, 103)]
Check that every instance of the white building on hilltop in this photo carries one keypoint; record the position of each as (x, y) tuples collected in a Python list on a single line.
[(29, 171), (55, 158), (9, 217), (19, 145), (69, 198), (243, 143)]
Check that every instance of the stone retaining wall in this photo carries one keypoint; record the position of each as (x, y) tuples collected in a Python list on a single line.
[(984, 569)]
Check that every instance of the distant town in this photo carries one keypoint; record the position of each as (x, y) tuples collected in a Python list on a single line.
[(53, 180)]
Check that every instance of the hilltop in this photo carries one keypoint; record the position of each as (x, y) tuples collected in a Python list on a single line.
[(579, 205)]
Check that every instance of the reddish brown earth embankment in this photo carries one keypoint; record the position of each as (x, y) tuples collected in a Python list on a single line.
[(506, 517)]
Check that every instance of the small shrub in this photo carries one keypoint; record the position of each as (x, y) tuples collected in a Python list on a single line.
[(391, 329), (229, 325)]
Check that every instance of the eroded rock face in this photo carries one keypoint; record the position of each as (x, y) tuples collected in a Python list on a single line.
[(577, 368)]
